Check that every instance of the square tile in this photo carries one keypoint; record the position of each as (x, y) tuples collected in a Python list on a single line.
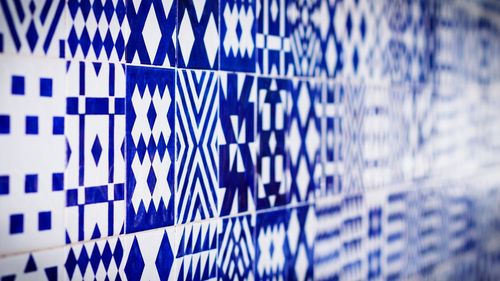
[(333, 140), (273, 42), (26, 173), (237, 145), (303, 140), (150, 144), (95, 134), (98, 32), (271, 246), (327, 245), (197, 106), (301, 235), (305, 20), (198, 34), (272, 96), (236, 250), (33, 28), (196, 251), (157, 45), (238, 27)]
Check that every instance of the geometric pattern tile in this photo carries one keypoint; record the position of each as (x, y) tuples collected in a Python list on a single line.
[(33, 27), (197, 105), (328, 246), (272, 41), (332, 138), (304, 19), (301, 234), (97, 33), (304, 140), (196, 251), (330, 54), (32, 131), (271, 189), (152, 32), (198, 34), (271, 247), (237, 147), (141, 256), (237, 42), (150, 148), (95, 135), (235, 258), (42, 265)]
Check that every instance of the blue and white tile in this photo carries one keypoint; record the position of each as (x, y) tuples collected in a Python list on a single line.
[(33, 28), (303, 140), (198, 34), (197, 106), (95, 135), (236, 248), (271, 190), (301, 234), (327, 245), (157, 45), (238, 27), (141, 256), (333, 141), (32, 131), (304, 19), (273, 42), (150, 144), (237, 145), (41, 265), (196, 251), (97, 30), (271, 247), (330, 55)]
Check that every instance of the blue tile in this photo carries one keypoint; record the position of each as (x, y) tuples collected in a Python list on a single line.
[(198, 34), (16, 223)]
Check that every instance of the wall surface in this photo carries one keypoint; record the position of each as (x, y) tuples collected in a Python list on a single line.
[(249, 139)]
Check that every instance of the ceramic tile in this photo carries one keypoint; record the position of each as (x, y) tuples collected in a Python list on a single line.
[(198, 34), (303, 140), (33, 28), (304, 20), (32, 203), (41, 265), (272, 96), (97, 30), (157, 45), (238, 27), (149, 149), (273, 42), (196, 251), (236, 248), (95, 135), (237, 145), (197, 145)]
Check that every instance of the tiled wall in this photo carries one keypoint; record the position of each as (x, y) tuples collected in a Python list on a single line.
[(249, 139)]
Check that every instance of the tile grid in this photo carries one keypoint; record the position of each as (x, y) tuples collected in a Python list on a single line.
[(216, 218)]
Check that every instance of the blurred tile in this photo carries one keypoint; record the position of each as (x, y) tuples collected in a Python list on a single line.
[(303, 140), (42, 265), (236, 248), (32, 109), (272, 96), (238, 27), (33, 28)]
